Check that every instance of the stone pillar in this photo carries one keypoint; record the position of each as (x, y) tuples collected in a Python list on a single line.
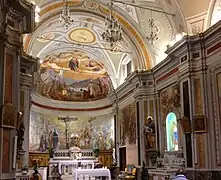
[(26, 111), (140, 136)]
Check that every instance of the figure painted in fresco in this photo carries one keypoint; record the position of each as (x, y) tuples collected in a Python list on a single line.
[(41, 145), (91, 89), (109, 141), (171, 131), (55, 139), (74, 64), (50, 139)]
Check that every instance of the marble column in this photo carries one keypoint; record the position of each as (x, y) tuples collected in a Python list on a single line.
[(25, 89), (139, 132)]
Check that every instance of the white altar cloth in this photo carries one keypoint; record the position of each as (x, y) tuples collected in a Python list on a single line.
[(74, 164), (92, 173)]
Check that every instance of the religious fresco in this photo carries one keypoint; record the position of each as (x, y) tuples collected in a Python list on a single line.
[(72, 76), (128, 125), (169, 100), (171, 131), (93, 133)]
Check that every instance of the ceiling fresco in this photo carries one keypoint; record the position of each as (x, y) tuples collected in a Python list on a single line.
[(72, 76), (77, 64), (82, 35)]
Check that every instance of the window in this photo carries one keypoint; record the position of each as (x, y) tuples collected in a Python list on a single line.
[(171, 131), (128, 67)]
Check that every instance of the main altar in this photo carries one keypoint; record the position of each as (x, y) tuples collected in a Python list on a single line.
[(68, 147), (75, 163)]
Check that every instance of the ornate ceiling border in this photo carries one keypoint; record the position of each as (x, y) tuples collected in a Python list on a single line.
[(104, 10)]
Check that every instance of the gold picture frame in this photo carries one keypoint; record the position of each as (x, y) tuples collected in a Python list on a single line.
[(199, 122), (8, 116)]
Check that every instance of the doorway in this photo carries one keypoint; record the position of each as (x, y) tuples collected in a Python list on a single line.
[(123, 157)]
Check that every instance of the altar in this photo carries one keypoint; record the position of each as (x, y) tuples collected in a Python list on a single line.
[(167, 166), (75, 164)]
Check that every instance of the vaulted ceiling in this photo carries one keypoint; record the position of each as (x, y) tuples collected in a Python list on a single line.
[(51, 42)]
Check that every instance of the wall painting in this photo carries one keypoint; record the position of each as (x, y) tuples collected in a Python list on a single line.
[(73, 76), (92, 132), (128, 125)]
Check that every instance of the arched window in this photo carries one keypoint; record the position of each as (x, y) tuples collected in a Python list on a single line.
[(172, 134)]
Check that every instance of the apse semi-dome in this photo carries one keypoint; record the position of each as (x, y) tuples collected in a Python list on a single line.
[(72, 76)]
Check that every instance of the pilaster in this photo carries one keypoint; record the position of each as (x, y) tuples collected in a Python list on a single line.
[(25, 109)]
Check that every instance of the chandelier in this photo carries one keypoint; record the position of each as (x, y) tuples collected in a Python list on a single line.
[(154, 30), (65, 16), (113, 32)]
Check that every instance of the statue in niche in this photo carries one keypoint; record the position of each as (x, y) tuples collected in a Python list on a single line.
[(21, 132), (55, 139), (149, 126), (149, 134)]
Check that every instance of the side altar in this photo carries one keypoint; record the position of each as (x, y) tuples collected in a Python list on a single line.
[(167, 166)]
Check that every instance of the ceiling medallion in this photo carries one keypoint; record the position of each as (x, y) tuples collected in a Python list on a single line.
[(82, 35)]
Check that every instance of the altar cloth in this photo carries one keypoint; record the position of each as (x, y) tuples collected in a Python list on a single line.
[(92, 173)]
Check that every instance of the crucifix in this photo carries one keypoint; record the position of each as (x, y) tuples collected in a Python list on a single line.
[(67, 120)]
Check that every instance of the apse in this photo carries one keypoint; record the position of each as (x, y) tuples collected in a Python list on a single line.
[(72, 76)]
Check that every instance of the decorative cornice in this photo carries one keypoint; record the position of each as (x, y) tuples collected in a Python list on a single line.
[(71, 109)]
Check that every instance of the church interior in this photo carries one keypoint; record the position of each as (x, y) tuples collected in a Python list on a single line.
[(110, 89)]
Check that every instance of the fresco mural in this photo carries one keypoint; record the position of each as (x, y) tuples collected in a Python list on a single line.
[(92, 132), (128, 125), (72, 76)]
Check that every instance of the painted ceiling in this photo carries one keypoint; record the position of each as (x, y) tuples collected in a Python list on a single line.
[(72, 76), (83, 36)]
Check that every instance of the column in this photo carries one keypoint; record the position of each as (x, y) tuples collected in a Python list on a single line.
[(1, 99), (140, 107), (25, 109)]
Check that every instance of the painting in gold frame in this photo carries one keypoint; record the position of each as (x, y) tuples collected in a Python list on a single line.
[(8, 116), (199, 122)]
